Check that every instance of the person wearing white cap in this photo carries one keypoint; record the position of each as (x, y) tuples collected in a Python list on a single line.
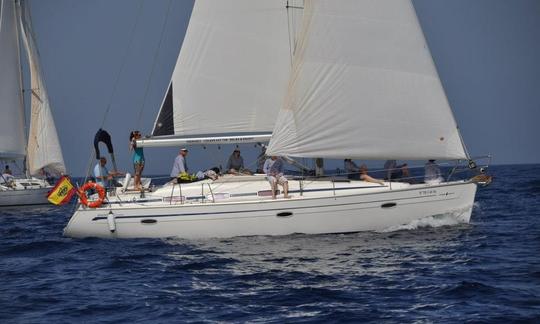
[(180, 164)]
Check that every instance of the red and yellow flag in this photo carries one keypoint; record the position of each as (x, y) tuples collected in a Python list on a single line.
[(62, 192)]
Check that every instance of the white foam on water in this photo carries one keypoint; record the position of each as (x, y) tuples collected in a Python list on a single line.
[(430, 221)]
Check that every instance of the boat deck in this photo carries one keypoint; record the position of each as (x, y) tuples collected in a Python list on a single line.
[(249, 189)]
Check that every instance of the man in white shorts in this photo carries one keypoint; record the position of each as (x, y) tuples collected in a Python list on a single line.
[(273, 167)]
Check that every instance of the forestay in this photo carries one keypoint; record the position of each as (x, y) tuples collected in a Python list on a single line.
[(364, 85), (44, 150), (232, 71), (12, 138)]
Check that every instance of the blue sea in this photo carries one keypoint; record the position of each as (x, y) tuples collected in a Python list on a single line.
[(434, 270)]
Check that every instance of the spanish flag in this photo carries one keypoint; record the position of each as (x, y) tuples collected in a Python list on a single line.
[(62, 192)]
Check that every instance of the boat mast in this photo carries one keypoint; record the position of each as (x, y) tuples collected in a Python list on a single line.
[(18, 11)]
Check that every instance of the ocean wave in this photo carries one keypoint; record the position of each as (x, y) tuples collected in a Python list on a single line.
[(469, 288), (436, 269), (430, 221), (35, 248)]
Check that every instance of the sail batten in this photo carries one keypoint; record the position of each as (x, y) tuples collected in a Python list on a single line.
[(364, 85)]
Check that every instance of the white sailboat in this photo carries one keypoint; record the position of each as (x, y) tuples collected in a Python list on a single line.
[(41, 154), (353, 78)]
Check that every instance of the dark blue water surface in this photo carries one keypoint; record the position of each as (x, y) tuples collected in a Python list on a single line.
[(430, 271)]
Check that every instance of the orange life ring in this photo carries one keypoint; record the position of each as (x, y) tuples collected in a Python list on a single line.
[(84, 199)]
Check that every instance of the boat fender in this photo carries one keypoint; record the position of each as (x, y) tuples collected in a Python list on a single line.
[(84, 198), (111, 221), (127, 179)]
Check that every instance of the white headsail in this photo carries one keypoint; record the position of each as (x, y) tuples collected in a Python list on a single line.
[(364, 85), (44, 150), (12, 138), (233, 69)]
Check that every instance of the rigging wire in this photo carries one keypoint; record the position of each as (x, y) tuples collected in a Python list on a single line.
[(294, 28), (156, 54), (21, 80), (289, 33), (117, 81), (291, 26)]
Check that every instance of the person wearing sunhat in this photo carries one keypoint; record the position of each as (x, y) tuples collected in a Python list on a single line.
[(180, 164)]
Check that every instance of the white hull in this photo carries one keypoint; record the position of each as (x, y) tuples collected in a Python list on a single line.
[(351, 207), (35, 193)]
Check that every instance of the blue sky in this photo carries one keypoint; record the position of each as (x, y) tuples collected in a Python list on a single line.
[(487, 53)]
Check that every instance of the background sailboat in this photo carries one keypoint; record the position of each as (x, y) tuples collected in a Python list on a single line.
[(41, 154)]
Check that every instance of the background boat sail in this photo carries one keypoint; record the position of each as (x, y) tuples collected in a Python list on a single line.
[(361, 78), (42, 152)]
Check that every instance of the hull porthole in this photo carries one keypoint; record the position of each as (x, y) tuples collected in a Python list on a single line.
[(389, 205), (284, 214), (148, 221)]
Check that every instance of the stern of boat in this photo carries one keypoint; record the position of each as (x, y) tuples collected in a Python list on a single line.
[(82, 224)]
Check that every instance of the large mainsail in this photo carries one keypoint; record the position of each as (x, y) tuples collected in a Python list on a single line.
[(232, 71), (12, 138), (364, 85), (44, 152)]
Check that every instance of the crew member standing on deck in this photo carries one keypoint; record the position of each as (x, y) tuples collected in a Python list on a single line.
[(138, 158)]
